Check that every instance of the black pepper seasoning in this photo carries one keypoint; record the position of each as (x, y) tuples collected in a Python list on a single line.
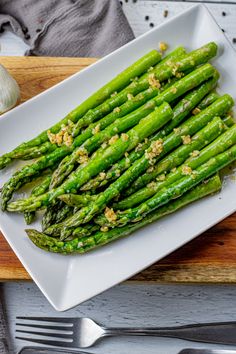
[(151, 24), (24, 29), (234, 40), (223, 13), (166, 12), (146, 18)]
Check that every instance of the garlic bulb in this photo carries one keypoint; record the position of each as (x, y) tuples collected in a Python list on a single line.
[(9, 91)]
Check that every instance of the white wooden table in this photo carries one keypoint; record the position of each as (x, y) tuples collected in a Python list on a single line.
[(136, 304)]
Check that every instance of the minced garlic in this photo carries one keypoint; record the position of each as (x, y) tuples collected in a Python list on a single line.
[(151, 185), (186, 170), (82, 155), (163, 46), (196, 111), (195, 153), (61, 137), (138, 147), (153, 82), (67, 139), (130, 96), (104, 229), (173, 90), (113, 139), (104, 145), (150, 169), (155, 150), (162, 177), (102, 175), (110, 214), (116, 110), (186, 139), (124, 137), (96, 129), (177, 130)]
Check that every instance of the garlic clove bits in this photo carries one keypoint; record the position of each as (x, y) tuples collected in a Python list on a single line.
[(9, 91)]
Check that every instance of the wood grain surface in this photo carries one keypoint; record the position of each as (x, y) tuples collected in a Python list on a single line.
[(209, 258)]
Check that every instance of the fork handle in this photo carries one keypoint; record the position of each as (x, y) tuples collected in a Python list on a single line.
[(220, 333)]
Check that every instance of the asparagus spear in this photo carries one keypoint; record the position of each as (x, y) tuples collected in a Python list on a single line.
[(196, 143), (190, 127), (223, 142), (36, 191), (145, 128), (208, 100), (207, 134), (146, 178), (77, 200), (98, 112), (82, 245), (55, 213), (180, 111), (173, 191), (229, 120), (117, 84), (167, 70), (173, 140), (185, 84), (174, 64), (132, 89)]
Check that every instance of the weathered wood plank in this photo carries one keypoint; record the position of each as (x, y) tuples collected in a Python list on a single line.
[(209, 258), (136, 13)]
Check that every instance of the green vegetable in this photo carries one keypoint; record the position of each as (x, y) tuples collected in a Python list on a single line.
[(173, 140), (132, 89), (145, 128), (174, 190), (77, 200), (219, 108), (85, 244), (228, 120), (174, 64), (117, 84), (180, 111), (178, 156), (208, 100), (36, 191), (223, 142), (182, 86)]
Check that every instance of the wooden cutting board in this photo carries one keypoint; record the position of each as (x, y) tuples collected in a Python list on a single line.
[(209, 258)]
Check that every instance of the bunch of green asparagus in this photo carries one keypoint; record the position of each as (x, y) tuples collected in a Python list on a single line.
[(147, 143)]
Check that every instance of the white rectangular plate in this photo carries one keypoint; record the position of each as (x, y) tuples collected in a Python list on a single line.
[(69, 280)]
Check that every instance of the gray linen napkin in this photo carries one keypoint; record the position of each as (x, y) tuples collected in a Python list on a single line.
[(85, 28), (3, 330)]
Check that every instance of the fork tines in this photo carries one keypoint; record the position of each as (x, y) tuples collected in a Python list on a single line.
[(58, 330)]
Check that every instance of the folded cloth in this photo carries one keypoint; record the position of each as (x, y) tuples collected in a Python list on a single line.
[(85, 28), (3, 330)]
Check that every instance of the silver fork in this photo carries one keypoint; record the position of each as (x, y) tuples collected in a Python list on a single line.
[(84, 332)]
